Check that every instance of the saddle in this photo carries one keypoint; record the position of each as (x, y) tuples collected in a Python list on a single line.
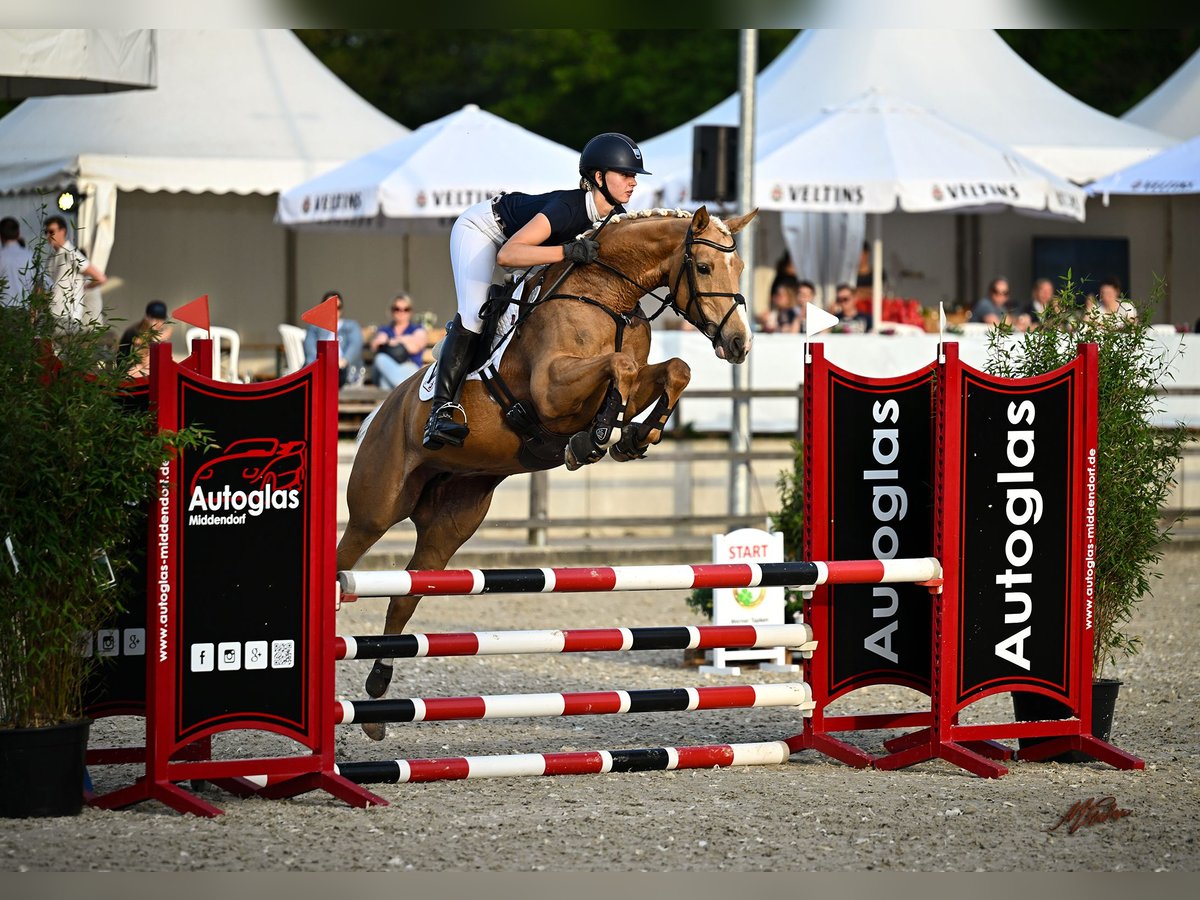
[(507, 306)]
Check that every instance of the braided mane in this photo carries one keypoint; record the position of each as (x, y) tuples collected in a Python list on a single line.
[(658, 213)]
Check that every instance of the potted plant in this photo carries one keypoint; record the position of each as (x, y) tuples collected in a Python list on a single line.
[(76, 468), (1138, 461)]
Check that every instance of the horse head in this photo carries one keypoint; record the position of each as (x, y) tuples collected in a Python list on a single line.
[(693, 256), (705, 284)]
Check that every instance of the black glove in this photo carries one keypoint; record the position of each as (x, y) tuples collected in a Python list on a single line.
[(584, 250)]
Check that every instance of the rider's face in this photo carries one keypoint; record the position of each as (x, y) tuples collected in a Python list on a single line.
[(620, 185)]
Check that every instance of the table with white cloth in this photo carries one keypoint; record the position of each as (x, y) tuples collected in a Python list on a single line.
[(776, 361)]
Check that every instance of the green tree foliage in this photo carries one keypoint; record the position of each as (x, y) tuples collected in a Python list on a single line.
[(568, 84), (1109, 69), (564, 84), (76, 469)]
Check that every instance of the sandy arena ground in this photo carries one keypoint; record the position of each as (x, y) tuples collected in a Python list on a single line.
[(811, 814)]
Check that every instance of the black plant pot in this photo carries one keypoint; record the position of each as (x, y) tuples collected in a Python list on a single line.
[(41, 770), (1039, 708)]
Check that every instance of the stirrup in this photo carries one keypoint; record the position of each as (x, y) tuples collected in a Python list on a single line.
[(442, 429)]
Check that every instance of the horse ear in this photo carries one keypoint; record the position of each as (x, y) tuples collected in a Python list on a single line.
[(700, 220), (737, 224)]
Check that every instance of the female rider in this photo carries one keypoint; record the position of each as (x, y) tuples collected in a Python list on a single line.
[(517, 231)]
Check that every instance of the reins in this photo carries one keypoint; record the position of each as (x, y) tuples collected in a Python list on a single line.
[(708, 328)]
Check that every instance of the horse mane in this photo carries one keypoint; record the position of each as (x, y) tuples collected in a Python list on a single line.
[(635, 254), (656, 213)]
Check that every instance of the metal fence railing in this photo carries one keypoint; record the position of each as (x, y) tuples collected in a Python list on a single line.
[(681, 464)]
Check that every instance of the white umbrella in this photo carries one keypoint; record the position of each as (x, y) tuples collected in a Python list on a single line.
[(432, 174), (1170, 173), (876, 154), (1174, 171)]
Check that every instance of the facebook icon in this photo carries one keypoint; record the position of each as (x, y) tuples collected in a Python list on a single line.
[(203, 656)]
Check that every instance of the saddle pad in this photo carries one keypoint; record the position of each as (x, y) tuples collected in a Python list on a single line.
[(504, 332)]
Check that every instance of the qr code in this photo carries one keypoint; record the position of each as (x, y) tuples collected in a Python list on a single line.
[(283, 654)]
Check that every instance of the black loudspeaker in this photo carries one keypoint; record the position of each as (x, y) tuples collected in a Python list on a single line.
[(714, 163)]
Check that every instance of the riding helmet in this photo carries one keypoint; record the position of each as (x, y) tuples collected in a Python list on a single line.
[(611, 151)]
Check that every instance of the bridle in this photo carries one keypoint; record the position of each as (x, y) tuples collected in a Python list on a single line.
[(707, 328), (696, 318)]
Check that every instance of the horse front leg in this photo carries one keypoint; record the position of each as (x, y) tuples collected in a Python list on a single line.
[(664, 381), (565, 386), (450, 510), (378, 495)]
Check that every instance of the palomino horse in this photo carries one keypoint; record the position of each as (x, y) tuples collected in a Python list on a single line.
[(577, 362)]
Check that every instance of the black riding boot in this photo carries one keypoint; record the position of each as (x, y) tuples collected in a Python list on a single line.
[(458, 348)]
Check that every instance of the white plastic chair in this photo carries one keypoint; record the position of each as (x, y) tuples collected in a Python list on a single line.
[(293, 347), (227, 348)]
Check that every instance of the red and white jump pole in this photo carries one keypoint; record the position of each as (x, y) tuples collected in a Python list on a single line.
[(428, 583), (575, 703), (796, 637), (581, 762)]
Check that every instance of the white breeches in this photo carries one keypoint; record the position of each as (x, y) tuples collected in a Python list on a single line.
[(475, 240)]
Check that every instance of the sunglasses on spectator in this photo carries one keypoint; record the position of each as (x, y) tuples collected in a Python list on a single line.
[(401, 309)]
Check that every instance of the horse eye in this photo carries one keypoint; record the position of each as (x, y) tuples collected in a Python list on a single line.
[(703, 268)]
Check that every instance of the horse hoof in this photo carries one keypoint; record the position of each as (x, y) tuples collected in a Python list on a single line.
[(376, 731), (580, 451), (621, 453), (378, 680)]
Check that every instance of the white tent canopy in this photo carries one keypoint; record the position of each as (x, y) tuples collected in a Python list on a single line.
[(1174, 106), (435, 172), (247, 112), (235, 111), (971, 77), (37, 62)]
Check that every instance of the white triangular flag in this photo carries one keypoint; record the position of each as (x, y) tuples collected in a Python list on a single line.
[(817, 320)]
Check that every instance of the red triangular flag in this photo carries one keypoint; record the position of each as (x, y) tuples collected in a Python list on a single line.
[(194, 313), (324, 315)]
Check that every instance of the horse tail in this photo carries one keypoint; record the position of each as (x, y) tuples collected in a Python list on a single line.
[(362, 429)]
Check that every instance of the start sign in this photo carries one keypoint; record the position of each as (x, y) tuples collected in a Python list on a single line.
[(747, 605)]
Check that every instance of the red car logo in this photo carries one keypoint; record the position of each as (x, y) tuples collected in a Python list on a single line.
[(256, 463)]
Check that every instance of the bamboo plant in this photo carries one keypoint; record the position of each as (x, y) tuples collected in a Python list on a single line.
[(76, 468), (1138, 457)]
